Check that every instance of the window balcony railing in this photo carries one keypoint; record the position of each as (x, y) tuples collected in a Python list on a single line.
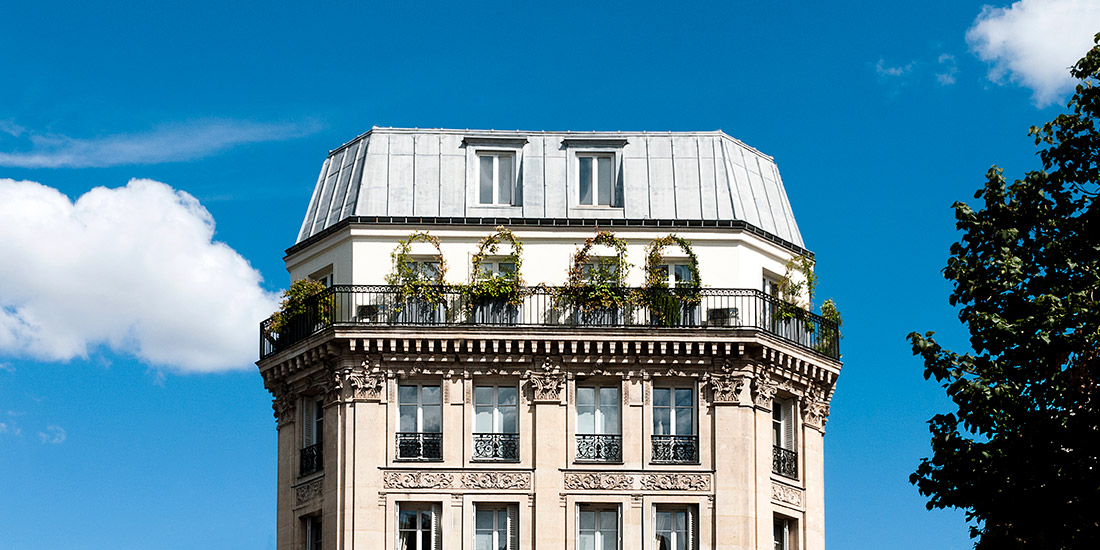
[(675, 449), (310, 459), (600, 447), (445, 306), (784, 462), (419, 446), (502, 447)]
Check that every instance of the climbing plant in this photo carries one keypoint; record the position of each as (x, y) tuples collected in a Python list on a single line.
[(498, 286), (665, 305), (597, 283), (413, 278), (796, 299), (298, 301)]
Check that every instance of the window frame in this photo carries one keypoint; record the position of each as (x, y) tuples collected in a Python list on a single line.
[(598, 417), (420, 405), (614, 156), (497, 415), (670, 268), (496, 155), (435, 511), (313, 532), (510, 529), (691, 524), (597, 532), (694, 409)]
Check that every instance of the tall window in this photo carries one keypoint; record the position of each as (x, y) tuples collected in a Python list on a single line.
[(676, 527), (313, 532), (313, 430), (674, 437), (420, 428), (595, 178), (496, 527), (781, 533), (599, 425), (497, 177), (597, 527), (419, 526), (784, 454), (496, 428)]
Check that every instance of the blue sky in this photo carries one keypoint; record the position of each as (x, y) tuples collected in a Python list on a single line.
[(131, 415)]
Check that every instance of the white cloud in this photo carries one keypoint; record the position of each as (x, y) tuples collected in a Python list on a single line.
[(135, 268), (54, 435), (885, 70), (949, 69), (170, 143), (7, 367), (1034, 42)]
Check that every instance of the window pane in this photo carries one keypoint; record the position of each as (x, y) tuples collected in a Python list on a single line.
[(506, 268), (408, 418), (587, 541), (433, 419), (679, 521), (586, 396), (586, 420), (407, 519), (483, 541), (483, 519), (609, 397), (610, 417), (508, 420), (609, 523), (605, 180), (483, 395), (406, 394), (661, 421), (507, 395), (585, 180), (683, 274), (430, 394), (683, 398), (683, 421), (661, 397), (504, 179), (486, 194), (664, 542), (610, 541), (664, 521), (483, 420), (588, 520)]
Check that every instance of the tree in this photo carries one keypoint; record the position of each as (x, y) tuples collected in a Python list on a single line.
[(1020, 453)]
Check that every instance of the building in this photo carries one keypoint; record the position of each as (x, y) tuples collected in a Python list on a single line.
[(643, 388)]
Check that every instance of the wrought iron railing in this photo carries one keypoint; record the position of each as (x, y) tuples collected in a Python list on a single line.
[(310, 459), (675, 449), (502, 447), (784, 462), (704, 308), (419, 446), (600, 447)]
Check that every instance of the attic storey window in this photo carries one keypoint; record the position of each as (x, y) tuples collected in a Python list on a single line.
[(595, 178), (496, 177)]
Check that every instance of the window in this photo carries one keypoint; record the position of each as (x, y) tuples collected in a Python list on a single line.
[(313, 532), (313, 420), (324, 276), (419, 526), (420, 428), (674, 438), (675, 274), (597, 527), (491, 269), (784, 455), (781, 533), (424, 269), (598, 424), (595, 179), (676, 527), (497, 177), (496, 527), (496, 428)]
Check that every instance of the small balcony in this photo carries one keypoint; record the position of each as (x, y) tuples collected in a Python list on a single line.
[(675, 449), (426, 446), (496, 447), (599, 448), (310, 460), (542, 306), (784, 462)]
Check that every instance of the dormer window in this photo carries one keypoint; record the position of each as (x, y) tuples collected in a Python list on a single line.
[(496, 177), (595, 179)]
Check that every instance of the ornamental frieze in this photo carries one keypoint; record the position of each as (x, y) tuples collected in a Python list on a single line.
[(417, 480), (787, 494), (308, 491), (599, 481), (676, 482), (497, 480)]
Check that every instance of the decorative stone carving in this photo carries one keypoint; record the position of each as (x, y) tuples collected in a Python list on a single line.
[(308, 491), (366, 385), (815, 410), (284, 407), (599, 481), (726, 388), (547, 382), (676, 482), (787, 494), (497, 480), (763, 392), (417, 480)]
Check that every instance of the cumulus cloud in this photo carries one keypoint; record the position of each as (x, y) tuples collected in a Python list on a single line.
[(177, 142), (134, 268), (54, 435), (1034, 42)]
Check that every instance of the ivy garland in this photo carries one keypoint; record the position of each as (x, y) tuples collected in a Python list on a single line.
[(414, 282), (603, 288), (298, 300), (502, 286), (664, 304)]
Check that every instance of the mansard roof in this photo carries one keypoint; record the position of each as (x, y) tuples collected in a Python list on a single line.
[(677, 176)]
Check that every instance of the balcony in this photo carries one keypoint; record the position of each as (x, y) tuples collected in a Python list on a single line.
[(784, 462), (427, 446), (599, 447), (310, 460), (675, 449), (704, 308), (498, 447)]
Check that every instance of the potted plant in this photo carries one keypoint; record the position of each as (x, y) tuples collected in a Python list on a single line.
[(594, 289), (670, 307), (495, 292), (421, 292), (306, 308)]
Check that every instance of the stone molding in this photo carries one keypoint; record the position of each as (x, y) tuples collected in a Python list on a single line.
[(497, 480), (417, 480), (612, 481), (785, 494), (457, 480), (308, 491)]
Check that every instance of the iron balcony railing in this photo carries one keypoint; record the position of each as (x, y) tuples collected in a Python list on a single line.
[(419, 446), (600, 447), (542, 306), (501, 447), (310, 459), (675, 449), (784, 462)]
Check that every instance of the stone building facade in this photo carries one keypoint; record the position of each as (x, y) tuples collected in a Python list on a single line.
[(415, 418)]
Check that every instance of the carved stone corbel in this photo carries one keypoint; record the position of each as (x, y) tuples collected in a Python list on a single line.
[(547, 382), (815, 410), (284, 407), (763, 392), (727, 388)]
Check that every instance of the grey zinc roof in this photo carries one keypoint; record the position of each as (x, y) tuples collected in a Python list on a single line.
[(686, 176)]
